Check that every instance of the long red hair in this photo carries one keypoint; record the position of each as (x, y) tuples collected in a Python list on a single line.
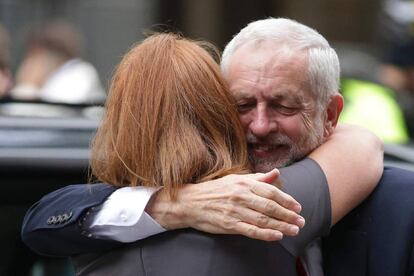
[(169, 119)]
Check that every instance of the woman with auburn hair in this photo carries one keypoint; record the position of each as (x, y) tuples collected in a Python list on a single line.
[(169, 118)]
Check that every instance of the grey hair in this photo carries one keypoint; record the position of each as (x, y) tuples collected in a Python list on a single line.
[(323, 62)]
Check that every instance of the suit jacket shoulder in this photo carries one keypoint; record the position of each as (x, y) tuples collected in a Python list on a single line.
[(376, 238)]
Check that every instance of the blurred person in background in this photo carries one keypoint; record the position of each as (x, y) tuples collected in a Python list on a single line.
[(368, 102), (397, 69), (52, 70), (375, 107), (5, 74), (379, 90)]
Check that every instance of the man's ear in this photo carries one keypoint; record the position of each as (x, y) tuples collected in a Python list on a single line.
[(333, 110)]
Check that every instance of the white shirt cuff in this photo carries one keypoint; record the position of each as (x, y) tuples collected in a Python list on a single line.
[(122, 216)]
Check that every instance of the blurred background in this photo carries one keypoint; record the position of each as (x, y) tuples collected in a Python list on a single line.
[(57, 57)]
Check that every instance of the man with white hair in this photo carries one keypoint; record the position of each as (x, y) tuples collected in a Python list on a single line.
[(284, 77), (280, 66)]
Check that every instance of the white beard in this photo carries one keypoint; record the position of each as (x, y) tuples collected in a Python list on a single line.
[(294, 150)]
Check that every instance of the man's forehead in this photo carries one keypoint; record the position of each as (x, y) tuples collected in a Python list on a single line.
[(269, 61), (268, 71)]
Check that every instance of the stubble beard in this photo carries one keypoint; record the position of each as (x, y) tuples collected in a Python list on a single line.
[(293, 150)]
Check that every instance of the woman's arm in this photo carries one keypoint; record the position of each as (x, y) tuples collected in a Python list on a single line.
[(352, 160)]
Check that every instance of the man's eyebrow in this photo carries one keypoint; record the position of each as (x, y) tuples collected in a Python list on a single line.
[(278, 97), (296, 99), (240, 94)]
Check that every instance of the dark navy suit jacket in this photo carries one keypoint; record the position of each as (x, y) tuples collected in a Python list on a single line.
[(376, 239)]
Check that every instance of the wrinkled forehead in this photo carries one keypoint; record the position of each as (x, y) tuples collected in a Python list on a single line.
[(270, 55), (266, 64)]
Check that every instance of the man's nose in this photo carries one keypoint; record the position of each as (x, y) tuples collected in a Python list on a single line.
[(262, 124)]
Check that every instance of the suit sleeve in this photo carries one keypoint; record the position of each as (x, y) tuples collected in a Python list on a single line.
[(306, 182), (52, 226)]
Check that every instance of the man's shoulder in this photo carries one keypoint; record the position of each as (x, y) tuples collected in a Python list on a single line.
[(383, 224), (394, 173), (390, 202), (395, 186)]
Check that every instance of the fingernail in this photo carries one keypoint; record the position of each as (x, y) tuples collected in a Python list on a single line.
[(297, 208), (278, 236), (300, 222), (294, 230)]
